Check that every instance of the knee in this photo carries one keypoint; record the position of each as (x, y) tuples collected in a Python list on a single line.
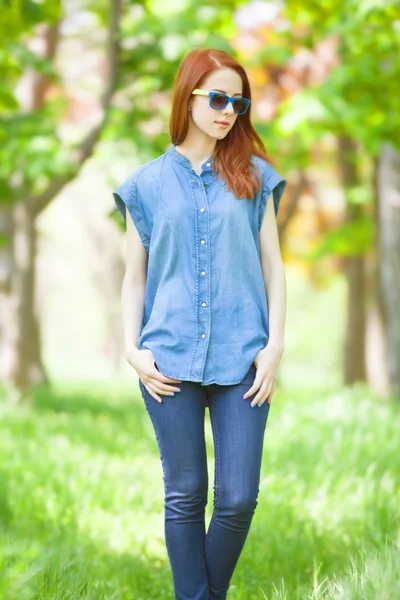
[(241, 503), (189, 498)]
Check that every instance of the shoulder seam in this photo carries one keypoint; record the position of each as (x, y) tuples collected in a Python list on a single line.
[(134, 188), (136, 174), (143, 167), (262, 167)]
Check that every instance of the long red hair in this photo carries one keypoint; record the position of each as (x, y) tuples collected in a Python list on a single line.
[(233, 153)]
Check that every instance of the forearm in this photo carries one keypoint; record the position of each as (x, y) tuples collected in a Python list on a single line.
[(132, 303), (275, 286)]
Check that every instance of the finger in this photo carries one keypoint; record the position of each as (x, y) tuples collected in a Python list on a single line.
[(168, 390), (268, 392), (265, 395), (153, 394), (272, 393), (162, 388), (163, 378), (253, 389), (261, 394)]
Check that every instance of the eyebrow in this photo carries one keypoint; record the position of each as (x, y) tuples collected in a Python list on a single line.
[(223, 91)]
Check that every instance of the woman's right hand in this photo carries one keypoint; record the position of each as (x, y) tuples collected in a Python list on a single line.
[(154, 381)]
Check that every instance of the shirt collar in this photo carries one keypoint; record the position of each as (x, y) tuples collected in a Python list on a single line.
[(185, 162)]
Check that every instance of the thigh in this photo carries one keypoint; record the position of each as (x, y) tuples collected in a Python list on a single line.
[(238, 431), (178, 423)]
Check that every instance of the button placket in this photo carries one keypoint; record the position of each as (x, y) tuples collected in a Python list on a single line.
[(203, 242), (203, 291), (203, 262)]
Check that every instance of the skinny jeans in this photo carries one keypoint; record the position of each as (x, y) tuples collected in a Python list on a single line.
[(203, 562)]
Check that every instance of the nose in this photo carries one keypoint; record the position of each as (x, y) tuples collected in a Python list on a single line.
[(228, 110)]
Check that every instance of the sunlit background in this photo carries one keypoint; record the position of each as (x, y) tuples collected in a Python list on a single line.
[(85, 94)]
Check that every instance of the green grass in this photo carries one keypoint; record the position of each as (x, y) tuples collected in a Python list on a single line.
[(81, 499)]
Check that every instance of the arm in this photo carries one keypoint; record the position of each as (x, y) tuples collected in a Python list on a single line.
[(274, 278), (268, 358), (133, 287)]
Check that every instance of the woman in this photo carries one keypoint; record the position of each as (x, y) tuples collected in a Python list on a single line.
[(202, 250)]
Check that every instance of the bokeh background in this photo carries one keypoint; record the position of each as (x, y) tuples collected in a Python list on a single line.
[(85, 98)]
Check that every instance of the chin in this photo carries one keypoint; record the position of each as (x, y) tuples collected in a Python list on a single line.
[(217, 135), (221, 133)]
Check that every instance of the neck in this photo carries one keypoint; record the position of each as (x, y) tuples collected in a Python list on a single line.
[(198, 149)]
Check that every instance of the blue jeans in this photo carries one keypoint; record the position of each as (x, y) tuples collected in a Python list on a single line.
[(203, 564)]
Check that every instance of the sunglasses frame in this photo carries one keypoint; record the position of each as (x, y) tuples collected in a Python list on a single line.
[(198, 92)]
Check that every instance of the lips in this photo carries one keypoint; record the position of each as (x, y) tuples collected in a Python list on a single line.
[(223, 122)]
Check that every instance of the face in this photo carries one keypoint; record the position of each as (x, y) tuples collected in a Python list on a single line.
[(205, 117)]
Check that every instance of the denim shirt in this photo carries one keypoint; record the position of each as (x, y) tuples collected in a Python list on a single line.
[(205, 312)]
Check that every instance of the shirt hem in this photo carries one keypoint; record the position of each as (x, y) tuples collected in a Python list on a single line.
[(163, 372)]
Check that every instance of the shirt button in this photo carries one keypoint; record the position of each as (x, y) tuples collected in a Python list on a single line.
[(203, 335), (206, 184), (203, 272), (202, 210), (203, 241), (203, 304)]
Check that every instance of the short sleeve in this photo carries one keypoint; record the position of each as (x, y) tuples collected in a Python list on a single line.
[(272, 182), (127, 197)]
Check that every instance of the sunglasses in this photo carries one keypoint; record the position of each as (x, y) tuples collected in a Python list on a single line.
[(218, 101)]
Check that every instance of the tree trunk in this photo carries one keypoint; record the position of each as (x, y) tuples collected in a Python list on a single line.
[(26, 364), (7, 306), (388, 262), (354, 354)]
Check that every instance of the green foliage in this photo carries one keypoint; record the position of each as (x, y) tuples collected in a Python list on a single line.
[(349, 239), (360, 96), (30, 150), (82, 505)]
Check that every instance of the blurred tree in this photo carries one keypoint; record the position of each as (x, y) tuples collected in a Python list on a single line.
[(36, 163), (357, 100)]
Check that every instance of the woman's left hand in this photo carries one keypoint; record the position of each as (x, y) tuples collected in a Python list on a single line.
[(267, 363)]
